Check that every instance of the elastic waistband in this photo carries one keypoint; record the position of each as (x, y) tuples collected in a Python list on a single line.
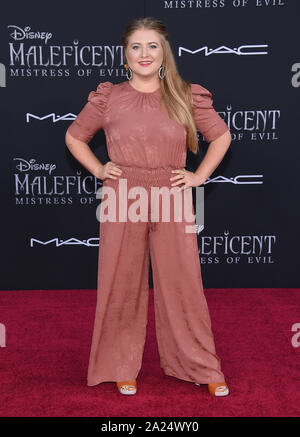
[(147, 172)]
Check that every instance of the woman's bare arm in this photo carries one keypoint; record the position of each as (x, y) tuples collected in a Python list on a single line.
[(83, 153), (214, 155)]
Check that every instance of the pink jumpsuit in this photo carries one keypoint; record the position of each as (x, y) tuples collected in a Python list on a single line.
[(147, 145)]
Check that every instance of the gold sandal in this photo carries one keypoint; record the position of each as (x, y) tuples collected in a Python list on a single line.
[(127, 387)]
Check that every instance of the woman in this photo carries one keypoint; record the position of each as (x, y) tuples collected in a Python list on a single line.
[(150, 120)]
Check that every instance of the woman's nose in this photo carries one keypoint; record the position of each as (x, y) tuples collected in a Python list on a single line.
[(144, 52)]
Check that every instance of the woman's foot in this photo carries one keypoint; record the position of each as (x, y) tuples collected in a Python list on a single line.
[(217, 388), (127, 387)]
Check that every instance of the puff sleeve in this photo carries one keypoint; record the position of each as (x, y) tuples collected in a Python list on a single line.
[(91, 117), (207, 120)]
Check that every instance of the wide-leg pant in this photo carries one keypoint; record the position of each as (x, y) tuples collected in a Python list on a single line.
[(182, 321)]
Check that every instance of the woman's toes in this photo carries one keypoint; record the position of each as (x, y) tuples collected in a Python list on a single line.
[(222, 388)]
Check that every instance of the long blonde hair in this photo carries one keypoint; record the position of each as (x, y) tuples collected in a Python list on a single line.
[(175, 91)]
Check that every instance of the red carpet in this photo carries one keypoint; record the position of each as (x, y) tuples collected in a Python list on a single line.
[(43, 366)]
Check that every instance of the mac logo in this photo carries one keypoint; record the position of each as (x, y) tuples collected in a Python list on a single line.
[(244, 50)]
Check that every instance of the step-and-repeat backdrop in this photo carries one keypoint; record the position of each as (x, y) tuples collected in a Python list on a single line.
[(246, 52)]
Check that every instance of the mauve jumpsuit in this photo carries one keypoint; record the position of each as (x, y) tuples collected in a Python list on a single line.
[(147, 145)]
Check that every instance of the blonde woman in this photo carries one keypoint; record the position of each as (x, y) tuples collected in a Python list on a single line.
[(150, 120)]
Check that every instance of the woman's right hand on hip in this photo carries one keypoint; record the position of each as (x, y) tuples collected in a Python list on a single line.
[(109, 170)]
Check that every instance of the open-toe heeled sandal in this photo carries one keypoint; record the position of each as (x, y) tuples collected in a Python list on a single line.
[(127, 387), (217, 388)]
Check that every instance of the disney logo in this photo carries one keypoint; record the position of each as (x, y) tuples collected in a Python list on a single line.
[(32, 165), (19, 34)]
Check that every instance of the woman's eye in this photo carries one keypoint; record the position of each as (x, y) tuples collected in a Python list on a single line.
[(152, 45)]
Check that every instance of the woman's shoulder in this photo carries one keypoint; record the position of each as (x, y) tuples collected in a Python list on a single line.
[(102, 92), (200, 90), (202, 97), (105, 89)]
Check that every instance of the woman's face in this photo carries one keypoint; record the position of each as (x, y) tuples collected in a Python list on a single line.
[(144, 45)]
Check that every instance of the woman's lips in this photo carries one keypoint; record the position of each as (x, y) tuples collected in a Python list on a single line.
[(145, 64)]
